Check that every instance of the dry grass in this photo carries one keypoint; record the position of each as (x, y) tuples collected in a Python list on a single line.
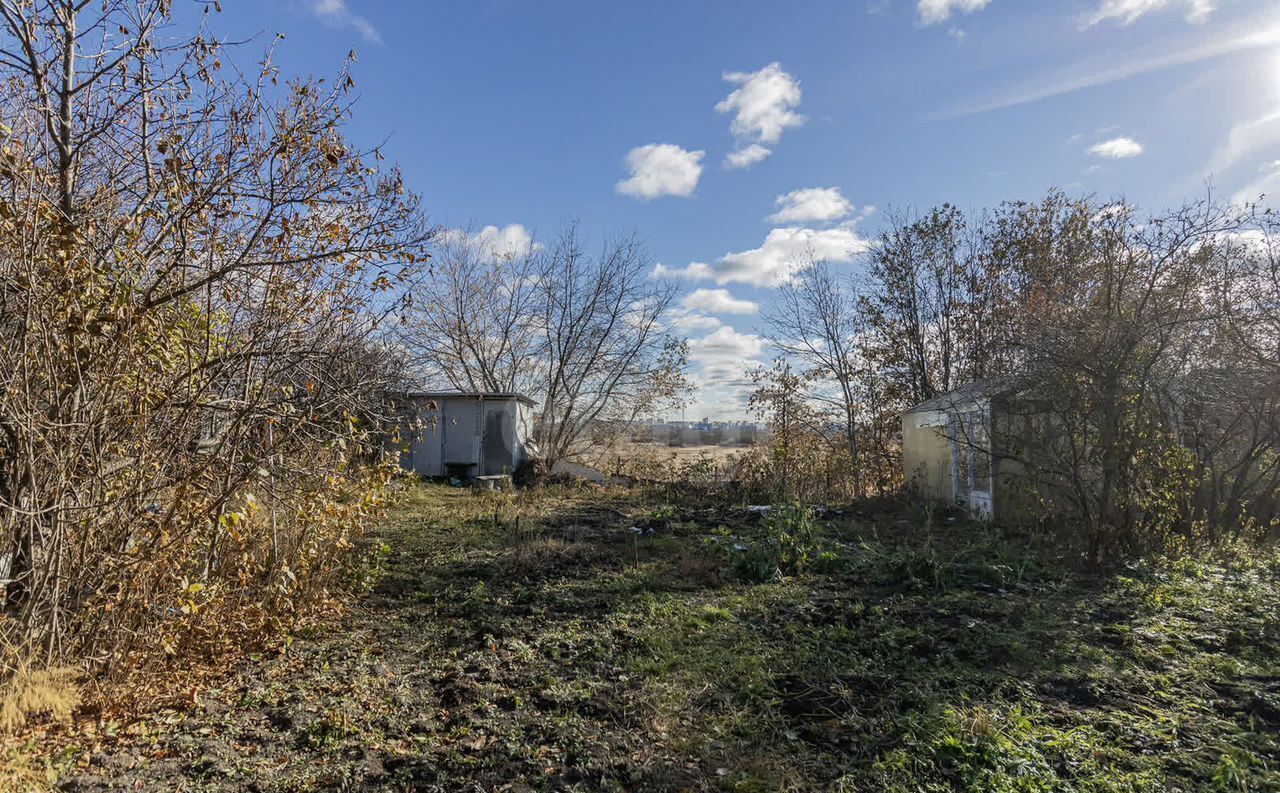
[(19, 776), (37, 692), (631, 450)]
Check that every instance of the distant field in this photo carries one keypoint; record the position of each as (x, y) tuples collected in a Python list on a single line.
[(636, 450)]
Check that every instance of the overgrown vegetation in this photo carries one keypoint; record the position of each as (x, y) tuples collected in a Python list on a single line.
[(191, 267), (600, 643), (196, 267), (1137, 354)]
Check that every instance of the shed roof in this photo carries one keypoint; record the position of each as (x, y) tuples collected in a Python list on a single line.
[(483, 395), (965, 394)]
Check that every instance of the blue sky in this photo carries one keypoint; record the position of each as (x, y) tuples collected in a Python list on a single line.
[(624, 115)]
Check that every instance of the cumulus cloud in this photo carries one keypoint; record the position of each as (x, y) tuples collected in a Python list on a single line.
[(1117, 148), (1126, 12), (661, 169), (746, 156), (726, 350), (718, 301), (335, 14), (513, 240), (811, 204), (694, 271), (934, 11), (777, 258), (720, 361), (783, 250), (696, 321), (763, 105)]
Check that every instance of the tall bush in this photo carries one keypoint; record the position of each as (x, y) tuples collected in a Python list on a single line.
[(192, 261)]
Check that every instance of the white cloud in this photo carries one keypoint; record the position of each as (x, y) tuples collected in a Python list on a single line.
[(1266, 184), (661, 169), (1259, 32), (718, 301), (1244, 139), (781, 253), (721, 360), (811, 204), (935, 11), (1117, 148), (783, 250), (725, 347), (1129, 11), (763, 104), (746, 156), (512, 240), (695, 321), (694, 271), (335, 14)]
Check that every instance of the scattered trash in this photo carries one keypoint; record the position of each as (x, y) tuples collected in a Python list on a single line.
[(759, 509), (643, 531)]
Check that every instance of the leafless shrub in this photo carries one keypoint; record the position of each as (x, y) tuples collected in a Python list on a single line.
[(191, 267)]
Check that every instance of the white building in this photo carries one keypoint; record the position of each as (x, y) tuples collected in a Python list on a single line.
[(452, 433)]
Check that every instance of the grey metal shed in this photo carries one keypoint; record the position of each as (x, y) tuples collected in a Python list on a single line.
[(465, 434)]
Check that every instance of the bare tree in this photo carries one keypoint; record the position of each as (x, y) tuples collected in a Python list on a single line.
[(581, 334), (606, 355), (474, 320), (911, 301), (816, 320)]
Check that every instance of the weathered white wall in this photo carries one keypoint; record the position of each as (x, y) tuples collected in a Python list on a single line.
[(926, 454), (454, 431), (929, 455)]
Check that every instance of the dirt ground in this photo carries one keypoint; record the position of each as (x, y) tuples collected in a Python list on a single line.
[(590, 640)]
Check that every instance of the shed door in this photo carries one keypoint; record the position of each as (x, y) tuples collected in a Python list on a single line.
[(461, 427), (499, 439), (971, 461), (425, 434)]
